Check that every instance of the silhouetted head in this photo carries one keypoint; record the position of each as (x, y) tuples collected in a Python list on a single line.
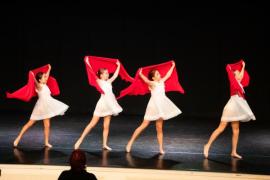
[(154, 75), (103, 74), (77, 160)]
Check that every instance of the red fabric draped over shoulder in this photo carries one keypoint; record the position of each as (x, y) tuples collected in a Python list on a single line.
[(28, 91), (235, 87), (94, 63), (139, 87)]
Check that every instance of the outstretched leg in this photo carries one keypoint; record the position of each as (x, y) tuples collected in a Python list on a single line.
[(136, 133), (213, 137), (87, 130), (24, 129)]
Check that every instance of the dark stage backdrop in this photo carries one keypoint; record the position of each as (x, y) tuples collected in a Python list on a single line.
[(200, 38)]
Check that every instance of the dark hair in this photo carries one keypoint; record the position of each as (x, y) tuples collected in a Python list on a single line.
[(151, 74), (100, 71), (39, 76), (77, 160)]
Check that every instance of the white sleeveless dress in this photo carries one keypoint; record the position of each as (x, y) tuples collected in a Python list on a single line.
[(46, 106), (159, 105), (107, 103), (237, 109)]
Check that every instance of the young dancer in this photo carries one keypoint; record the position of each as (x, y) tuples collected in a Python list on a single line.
[(237, 108), (46, 107), (106, 106), (159, 107)]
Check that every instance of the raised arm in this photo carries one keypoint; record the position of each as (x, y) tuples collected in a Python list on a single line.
[(47, 74), (145, 79), (87, 62), (115, 74), (242, 71), (36, 82), (240, 74), (169, 73)]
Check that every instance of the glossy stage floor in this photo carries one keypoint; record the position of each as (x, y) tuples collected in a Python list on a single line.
[(183, 140)]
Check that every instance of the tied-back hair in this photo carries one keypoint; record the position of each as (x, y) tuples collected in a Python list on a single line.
[(100, 71), (39, 76), (151, 74), (77, 160)]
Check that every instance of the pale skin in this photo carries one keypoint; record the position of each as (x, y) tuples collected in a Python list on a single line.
[(145, 123), (46, 122), (95, 119), (235, 127)]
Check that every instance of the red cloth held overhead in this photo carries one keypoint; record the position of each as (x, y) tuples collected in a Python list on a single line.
[(139, 87), (28, 91), (94, 63), (235, 87)]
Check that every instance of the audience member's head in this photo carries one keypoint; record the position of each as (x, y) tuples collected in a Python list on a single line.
[(77, 160)]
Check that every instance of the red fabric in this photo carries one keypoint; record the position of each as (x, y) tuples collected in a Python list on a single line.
[(139, 87), (28, 91), (94, 63), (235, 88)]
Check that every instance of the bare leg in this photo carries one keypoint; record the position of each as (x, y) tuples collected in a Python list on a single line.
[(46, 123), (87, 130), (24, 129), (136, 133), (159, 128), (235, 130), (106, 128), (213, 137)]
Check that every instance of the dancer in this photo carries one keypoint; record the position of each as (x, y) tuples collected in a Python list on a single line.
[(46, 107), (106, 106), (236, 109), (159, 107)]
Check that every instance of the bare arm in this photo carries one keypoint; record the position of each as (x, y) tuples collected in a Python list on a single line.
[(87, 61), (47, 74), (169, 73), (145, 79), (115, 73), (239, 75), (242, 71), (36, 82)]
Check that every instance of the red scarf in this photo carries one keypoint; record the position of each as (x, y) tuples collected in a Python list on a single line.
[(139, 87), (28, 91), (94, 63), (235, 87)]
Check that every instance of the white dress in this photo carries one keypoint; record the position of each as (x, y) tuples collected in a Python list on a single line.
[(159, 105), (46, 106), (107, 103), (237, 109)]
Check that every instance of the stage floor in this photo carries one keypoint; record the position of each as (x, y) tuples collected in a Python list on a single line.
[(183, 140)]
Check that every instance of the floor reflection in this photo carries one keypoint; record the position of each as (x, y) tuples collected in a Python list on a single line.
[(158, 161), (211, 164), (33, 156)]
